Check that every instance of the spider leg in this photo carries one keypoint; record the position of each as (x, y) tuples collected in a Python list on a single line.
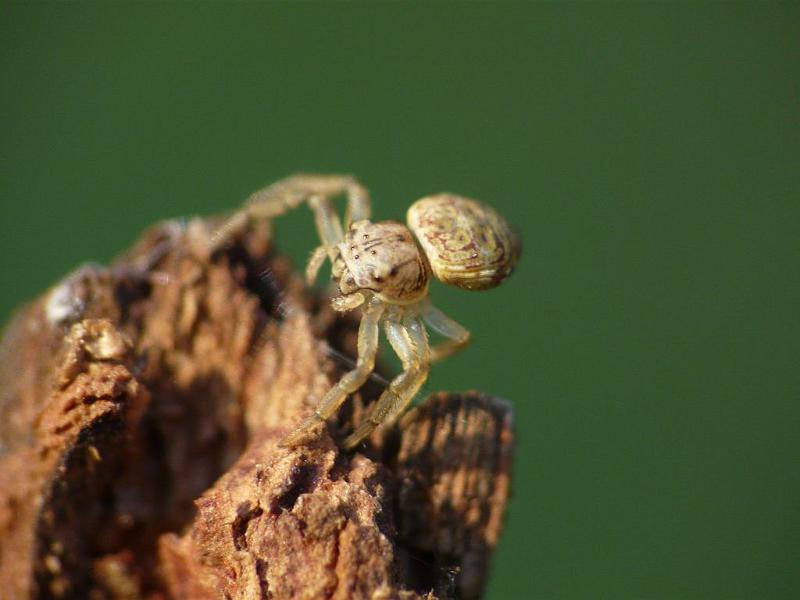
[(350, 381), (458, 336), (410, 342), (347, 303), (315, 262), (329, 227), (287, 194)]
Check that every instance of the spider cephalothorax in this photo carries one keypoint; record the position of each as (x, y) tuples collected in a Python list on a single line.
[(383, 268), (382, 258)]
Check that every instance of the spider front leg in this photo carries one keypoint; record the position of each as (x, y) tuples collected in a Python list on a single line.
[(458, 335), (315, 262), (287, 194), (329, 229), (410, 342), (352, 380)]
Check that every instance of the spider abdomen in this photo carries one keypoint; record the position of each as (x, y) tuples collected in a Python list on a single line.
[(467, 243)]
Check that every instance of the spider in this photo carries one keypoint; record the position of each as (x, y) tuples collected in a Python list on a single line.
[(385, 270)]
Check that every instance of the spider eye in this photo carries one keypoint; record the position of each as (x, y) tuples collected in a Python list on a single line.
[(393, 272)]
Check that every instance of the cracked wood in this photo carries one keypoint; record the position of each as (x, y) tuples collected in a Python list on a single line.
[(140, 409)]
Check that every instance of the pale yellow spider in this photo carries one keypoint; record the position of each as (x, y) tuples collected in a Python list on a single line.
[(383, 269)]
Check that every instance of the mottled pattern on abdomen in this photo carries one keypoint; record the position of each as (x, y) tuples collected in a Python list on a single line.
[(468, 244)]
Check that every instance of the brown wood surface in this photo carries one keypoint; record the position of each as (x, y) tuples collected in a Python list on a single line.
[(140, 410)]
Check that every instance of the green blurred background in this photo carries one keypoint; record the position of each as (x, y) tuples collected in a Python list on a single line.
[(648, 153)]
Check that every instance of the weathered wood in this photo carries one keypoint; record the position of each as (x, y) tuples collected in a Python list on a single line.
[(140, 409)]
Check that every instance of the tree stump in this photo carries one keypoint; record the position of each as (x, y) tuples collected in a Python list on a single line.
[(140, 410)]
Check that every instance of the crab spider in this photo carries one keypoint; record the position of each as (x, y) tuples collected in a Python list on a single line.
[(384, 270)]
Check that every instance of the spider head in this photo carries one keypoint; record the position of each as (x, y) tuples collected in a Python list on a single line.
[(385, 259)]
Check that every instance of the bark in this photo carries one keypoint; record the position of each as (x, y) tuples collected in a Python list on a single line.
[(140, 410)]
